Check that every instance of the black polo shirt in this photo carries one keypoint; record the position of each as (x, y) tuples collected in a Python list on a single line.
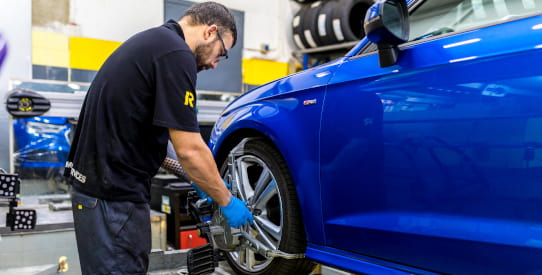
[(145, 87)]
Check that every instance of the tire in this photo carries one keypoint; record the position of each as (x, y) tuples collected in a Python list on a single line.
[(304, 1), (297, 29), (279, 223), (324, 23), (347, 19), (310, 25)]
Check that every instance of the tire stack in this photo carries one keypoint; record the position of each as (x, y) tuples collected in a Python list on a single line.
[(328, 22)]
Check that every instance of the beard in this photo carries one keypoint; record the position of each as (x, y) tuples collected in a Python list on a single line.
[(202, 53)]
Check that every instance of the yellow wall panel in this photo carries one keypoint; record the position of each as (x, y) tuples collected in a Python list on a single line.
[(50, 49), (260, 71), (90, 54)]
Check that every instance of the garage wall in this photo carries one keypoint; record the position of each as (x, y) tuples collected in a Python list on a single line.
[(115, 20), (45, 38), (266, 22), (267, 31), (15, 26), (267, 25)]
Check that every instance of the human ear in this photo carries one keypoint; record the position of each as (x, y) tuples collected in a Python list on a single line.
[(210, 30)]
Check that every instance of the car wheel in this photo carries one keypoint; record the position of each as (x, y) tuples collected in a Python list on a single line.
[(264, 182)]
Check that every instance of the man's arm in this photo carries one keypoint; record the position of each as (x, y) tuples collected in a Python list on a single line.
[(172, 165), (197, 161)]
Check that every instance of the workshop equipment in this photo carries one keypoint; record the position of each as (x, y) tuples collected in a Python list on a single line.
[(16, 219), (168, 196), (222, 238)]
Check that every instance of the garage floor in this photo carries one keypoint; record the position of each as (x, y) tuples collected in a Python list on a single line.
[(37, 252)]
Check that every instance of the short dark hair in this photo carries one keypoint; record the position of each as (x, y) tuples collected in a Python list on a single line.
[(210, 13)]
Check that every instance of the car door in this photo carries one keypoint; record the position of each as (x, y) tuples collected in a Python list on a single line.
[(436, 161)]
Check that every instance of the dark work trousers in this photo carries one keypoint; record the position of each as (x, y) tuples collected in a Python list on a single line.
[(113, 237)]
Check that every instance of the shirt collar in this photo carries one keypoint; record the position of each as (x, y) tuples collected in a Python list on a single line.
[(173, 25)]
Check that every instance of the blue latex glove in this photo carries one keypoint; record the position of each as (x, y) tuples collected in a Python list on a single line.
[(236, 213), (204, 195)]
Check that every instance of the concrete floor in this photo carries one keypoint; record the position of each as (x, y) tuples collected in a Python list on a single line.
[(37, 252)]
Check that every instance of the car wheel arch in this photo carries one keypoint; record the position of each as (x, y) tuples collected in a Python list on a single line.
[(235, 137)]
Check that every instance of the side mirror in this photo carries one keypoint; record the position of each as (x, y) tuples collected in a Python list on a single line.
[(386, 25), (25, 103)]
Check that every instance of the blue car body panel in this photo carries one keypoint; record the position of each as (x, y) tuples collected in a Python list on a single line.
[(42, 142), (430, 165), (444, 148), (271, 110)]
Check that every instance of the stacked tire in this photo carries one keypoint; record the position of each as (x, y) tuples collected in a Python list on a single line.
[(324, 23)]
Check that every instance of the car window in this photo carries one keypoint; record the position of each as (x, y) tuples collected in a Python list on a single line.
[(436, 17)]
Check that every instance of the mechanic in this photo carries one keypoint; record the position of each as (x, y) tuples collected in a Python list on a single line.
[(142, 96)]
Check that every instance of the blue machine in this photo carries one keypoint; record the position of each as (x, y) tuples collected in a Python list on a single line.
[(417, 157)]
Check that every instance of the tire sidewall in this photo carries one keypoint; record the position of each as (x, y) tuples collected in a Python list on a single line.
[(260, 150), (297, 29), (310, 24), (343, 11), (327, 10)]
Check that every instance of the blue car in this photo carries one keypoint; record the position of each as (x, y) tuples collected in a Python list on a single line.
[(418, 152), (42, 146)]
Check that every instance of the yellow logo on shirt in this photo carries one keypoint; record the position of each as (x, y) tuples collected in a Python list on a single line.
[(189, 99)]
